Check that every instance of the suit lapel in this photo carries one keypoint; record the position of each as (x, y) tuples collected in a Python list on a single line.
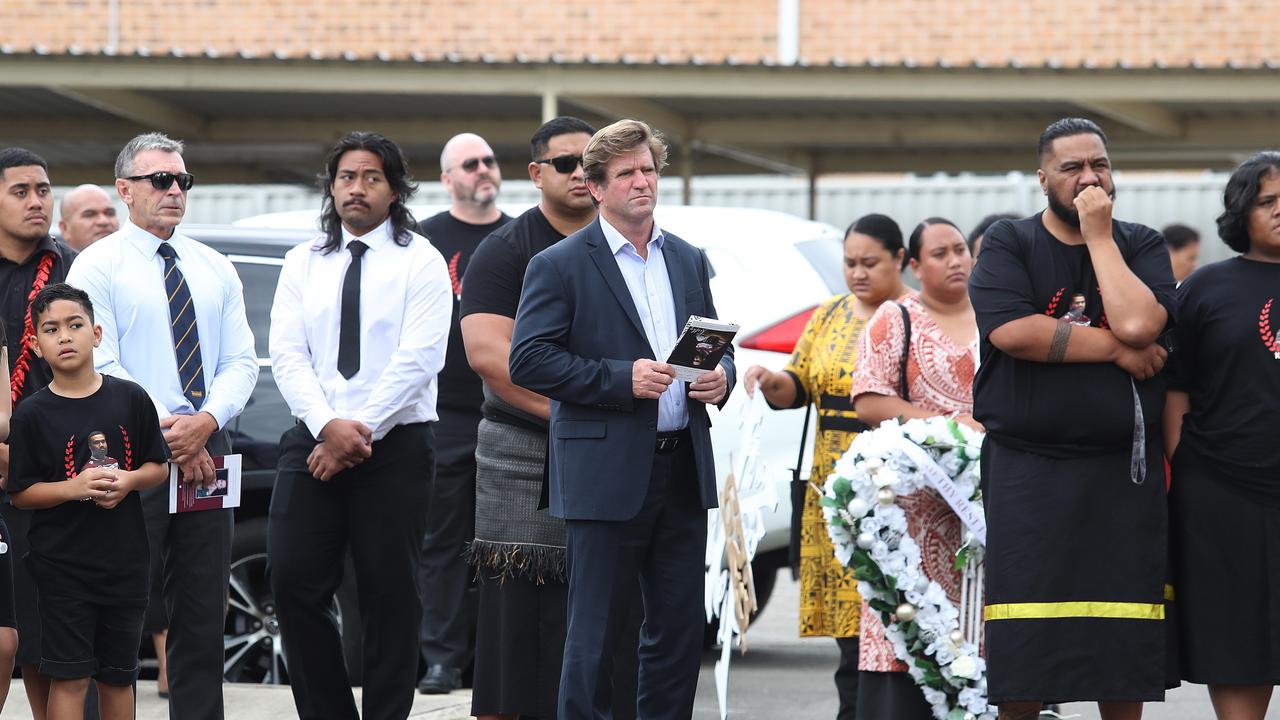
[(608, 267), (675, 274)]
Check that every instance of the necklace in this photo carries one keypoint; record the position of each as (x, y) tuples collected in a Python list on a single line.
[(18, 378)]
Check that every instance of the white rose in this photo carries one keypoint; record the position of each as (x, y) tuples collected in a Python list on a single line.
[(933, 697), (858, 507), (916, 430), (885, 477), (879, 550), (964, 667)]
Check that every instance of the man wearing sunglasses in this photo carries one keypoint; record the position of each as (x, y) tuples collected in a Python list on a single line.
[(470, 173), (173, 321)]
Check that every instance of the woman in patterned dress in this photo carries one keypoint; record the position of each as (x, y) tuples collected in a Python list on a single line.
[(941, 359), (820, 371)]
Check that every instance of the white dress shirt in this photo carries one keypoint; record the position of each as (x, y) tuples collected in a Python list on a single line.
[(406, 301), (650, 289), (123, 274)]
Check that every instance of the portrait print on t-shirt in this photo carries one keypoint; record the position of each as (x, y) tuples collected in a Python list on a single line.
[(98, 457), (96, 440), (1075, 313)]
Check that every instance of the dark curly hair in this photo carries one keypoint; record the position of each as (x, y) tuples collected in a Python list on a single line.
[(394, 167), (1241, 195)]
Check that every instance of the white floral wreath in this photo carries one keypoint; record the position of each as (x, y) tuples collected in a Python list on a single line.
[(870, 534)]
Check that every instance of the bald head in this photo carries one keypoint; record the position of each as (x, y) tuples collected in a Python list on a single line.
[(470, 173), (88, 214)]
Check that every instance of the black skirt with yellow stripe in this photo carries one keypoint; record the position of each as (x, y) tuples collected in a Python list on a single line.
[(1076, 569)]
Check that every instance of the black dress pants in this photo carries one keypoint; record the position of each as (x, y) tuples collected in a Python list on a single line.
[(196, 550), (444, 577), (665, 547), (377, 510)]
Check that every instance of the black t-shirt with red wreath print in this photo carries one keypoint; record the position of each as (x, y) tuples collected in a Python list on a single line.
[(1228, 361), (1065, 409), (79, 549)]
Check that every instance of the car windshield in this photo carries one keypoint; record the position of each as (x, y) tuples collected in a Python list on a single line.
[(826, 255)]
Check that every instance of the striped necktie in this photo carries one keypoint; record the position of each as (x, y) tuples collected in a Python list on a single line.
[(182, 319)]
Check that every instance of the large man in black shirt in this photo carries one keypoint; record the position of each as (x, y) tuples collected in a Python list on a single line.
[(470, 173), (29, 260), (1072, 465)]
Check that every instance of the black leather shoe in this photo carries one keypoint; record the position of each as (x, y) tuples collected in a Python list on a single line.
[(440, 680)]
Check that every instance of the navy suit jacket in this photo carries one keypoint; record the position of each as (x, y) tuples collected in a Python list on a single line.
[(577, 334)]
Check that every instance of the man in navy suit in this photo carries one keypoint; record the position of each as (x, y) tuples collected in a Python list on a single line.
[(631, 468)]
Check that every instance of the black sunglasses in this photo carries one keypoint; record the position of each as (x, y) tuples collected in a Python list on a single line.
[(163, 180), (470, 165), (563, 164)]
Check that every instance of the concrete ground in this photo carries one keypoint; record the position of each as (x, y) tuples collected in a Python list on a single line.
[(781, 676), (257, 702)]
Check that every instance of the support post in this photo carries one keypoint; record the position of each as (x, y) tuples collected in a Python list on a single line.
[(550, 105)]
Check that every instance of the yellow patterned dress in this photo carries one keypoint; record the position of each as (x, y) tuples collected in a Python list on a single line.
[(822, 366)]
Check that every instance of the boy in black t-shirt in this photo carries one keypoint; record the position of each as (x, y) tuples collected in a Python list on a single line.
[(79, 449)]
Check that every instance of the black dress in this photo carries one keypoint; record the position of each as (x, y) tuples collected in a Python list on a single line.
[(1225, 500)]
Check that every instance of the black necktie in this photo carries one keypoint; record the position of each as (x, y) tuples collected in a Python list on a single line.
[(182, 323), (349, 324)]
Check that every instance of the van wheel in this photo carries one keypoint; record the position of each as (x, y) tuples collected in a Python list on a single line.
[(251, 637)]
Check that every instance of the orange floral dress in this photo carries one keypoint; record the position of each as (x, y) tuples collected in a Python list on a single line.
[(940, 377)]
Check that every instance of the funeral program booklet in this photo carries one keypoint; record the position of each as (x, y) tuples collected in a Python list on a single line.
[(223, 493), (701, 345)]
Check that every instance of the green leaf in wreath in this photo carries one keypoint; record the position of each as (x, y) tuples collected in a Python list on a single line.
[(881, 606), (956, 714), (828, 501), (841, 487)]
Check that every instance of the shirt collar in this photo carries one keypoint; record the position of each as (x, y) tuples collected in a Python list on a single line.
[(146, 243), (375, 238), (617, 241), (45, 245)]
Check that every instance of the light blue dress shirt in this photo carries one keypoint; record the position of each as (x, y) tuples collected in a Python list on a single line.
[(123, 274), (650, 289)]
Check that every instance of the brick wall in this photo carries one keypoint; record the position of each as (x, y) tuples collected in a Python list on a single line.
[(926, 32)]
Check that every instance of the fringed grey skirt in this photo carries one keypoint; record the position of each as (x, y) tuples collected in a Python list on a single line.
[(514, 537), (519, 556)]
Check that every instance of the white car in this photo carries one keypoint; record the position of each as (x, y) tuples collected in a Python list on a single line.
[(770, 270)]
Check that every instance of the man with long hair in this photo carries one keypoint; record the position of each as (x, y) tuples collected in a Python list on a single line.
[(358, 370)]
